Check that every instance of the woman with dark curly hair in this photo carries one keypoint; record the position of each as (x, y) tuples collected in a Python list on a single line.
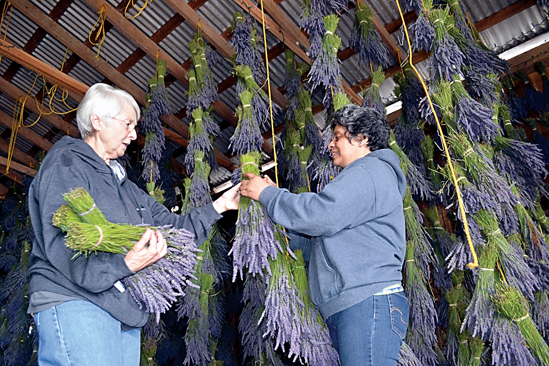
[(357, 243)]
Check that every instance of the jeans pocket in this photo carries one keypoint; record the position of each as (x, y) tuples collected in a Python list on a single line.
[(399, 313)]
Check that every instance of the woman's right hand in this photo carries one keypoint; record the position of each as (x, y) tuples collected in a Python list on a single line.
[(143, 255)]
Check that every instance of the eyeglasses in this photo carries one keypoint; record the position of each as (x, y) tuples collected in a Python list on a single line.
[(130, 125)]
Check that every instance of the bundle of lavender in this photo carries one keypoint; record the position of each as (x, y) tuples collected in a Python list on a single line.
[(366, 40), (372, 97), (316, 344), (200, 141), (422, 30), (325, 69), (448, 59), (244, 41), (247, 136), (510, 303), (255, 240), (155, 287)]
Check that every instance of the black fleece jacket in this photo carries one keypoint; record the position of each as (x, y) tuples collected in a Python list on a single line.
[(70, 164)]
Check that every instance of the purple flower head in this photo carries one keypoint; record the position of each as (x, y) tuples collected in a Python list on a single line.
[(508, 345), (447, 59), (245, 45), (423, 33), (325, 69), (366, 40)]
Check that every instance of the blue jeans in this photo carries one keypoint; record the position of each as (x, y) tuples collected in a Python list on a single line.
[(80, 333), (370, 333)]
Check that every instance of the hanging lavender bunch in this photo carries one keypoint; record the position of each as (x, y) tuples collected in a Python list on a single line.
[(483, 87), (423, 33), (207, 93), (536, 245), (539, 139), (447, 58), (480, 312), (540, 313), (260, 99), (245, 44), (282, 308), (406, 356), (247, 136), (472, 117), (511, 304), (199, 142), (254, 345), (521, 163), (410, 92), (199, 190), (294, 73), (316, 347), (311, 21), (325, 68), (372, 97), (365, 39), (508, 347), (293, 173), (255, 239), (421, 336), (152, 126), (312, 132), (419, 185)]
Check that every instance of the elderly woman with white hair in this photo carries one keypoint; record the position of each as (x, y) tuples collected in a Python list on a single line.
[(82, 311)]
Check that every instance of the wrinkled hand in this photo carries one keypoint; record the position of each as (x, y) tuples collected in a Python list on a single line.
[(228, 201), (254, 185), (143, 255)]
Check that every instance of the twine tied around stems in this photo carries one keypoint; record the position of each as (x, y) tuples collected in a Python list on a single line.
[(486, 269), (100, 235), (87, 212), (521, 319), (453, 304), (249, 162)]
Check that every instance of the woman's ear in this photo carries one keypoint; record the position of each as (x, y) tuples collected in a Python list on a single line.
[(96, 122)]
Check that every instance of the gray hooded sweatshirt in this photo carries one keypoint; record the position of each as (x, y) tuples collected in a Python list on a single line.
[(70, 164), (358, 230)]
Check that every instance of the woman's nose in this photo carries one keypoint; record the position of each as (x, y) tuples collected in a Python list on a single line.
[(133, 135)]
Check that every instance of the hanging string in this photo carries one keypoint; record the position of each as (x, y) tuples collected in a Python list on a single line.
[(139, 10), (100, 23), (14, 130), (4, 12), (446, 150), (64, 95), (269, 90)]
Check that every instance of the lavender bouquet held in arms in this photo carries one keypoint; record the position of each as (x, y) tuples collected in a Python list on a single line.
[(155, 287)]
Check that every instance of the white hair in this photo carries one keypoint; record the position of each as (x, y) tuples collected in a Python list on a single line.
[(104, 101)]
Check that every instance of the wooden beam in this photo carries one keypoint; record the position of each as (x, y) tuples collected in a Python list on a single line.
[(49, 72), (19, 167), (386, 37), (26, 133), (19, 155), (16, 177), (14, 93), (526, 61), (504, 14)]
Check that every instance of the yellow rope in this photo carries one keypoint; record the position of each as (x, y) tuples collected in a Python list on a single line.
[(501, 271), (100, 30), (14, 130), (458, 192), (140, 10), (4, 12), (269, 90)]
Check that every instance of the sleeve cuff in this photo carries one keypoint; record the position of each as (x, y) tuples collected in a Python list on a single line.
[(267, 194)]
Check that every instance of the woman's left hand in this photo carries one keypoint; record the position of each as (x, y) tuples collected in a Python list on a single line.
[(228, 201), (253, 186)]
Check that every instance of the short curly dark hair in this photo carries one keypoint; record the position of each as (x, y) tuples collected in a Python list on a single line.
[(363, 122)]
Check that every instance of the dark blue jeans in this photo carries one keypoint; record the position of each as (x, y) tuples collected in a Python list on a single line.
[(370, 333), (80, 333)]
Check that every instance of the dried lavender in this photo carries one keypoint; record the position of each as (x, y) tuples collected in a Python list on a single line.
[(472, 117), (540, 313), (366, 40), (511, 304), (199, 190), (260, 99), (255, 239), (419, 185), (247, 136), (447, 58), (480, 312), (325, 68), (244, 41), (372, 97), (151, 125), (423, 33), (406, 356), (539, 139), (205, 93), (312, 132), (508, 346), (199, 142)]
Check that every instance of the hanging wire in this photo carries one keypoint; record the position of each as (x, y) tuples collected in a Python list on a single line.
[(100, 24), (139, 10), (4, 12), (454, 179)]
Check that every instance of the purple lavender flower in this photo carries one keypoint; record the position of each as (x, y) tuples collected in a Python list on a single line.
[(366, 40), (244, 43), (423, 33), (447, 59), (475, 119), (508, 345)]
